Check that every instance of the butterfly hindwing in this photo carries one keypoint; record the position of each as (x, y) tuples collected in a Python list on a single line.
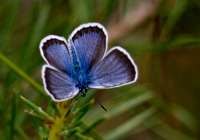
[(59, 85), (116, 69), (90, 42)]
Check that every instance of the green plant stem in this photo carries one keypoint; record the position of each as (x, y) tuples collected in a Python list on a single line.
[(58, 125)]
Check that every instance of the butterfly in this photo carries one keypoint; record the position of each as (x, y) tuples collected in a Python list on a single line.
[(81, 62)]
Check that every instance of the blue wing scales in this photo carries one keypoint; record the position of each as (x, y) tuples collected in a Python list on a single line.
[(90, 42), (58, 85), (116, 69), (55, 52)]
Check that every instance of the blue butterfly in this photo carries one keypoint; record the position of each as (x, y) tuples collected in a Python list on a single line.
[(80, 63)]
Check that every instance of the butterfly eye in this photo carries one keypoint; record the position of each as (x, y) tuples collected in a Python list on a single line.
[(83, 90), (88, 83)]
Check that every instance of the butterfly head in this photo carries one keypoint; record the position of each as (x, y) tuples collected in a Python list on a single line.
[(83, 91)]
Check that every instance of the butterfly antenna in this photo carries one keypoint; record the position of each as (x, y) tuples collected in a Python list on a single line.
[(76, 98), (100, 104), (70, 108)]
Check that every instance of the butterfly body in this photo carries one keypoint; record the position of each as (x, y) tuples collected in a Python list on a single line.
[(80, 63), (82, 81), (79, 74)]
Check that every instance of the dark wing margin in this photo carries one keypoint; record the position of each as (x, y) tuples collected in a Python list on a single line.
[(55, 52), (90, 41), (115, 70), (58, 84)]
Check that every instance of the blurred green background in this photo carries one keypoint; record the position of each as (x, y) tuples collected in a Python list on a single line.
[(163, 37)]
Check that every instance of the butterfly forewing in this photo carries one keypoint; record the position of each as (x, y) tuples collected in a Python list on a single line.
[(59, 85), (116, 69), (90, 41), (55, 52)]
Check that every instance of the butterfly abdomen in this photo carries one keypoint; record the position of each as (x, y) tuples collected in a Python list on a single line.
[(82, 81)]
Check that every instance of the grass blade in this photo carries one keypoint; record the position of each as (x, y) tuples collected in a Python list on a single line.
[(22, 74), (38, 110), (129, 125), (120, 108)]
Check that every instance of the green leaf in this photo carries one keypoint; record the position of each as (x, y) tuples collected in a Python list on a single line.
[(80, 112), (86, 130), (129, 125), (120, 108), (38, 110), (184, 116), (176, 11), (167, 132), (68, 133)]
